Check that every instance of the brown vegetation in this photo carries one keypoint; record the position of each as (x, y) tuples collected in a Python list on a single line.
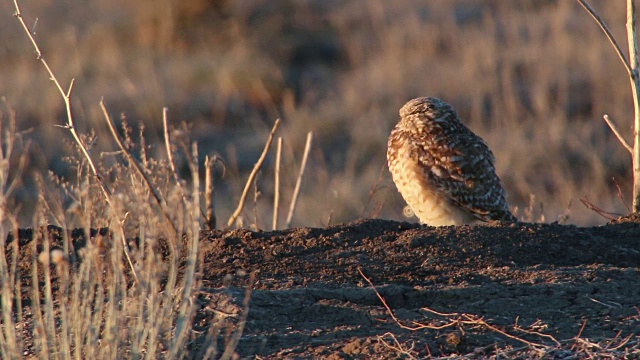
[(139, 278), (532, 78)]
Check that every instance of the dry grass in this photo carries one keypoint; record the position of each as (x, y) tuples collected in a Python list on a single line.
[(86, 302), (516, 71), (532, 78)]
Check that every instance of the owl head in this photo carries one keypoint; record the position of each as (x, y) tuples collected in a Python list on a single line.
[(428, 115), (432, 108)]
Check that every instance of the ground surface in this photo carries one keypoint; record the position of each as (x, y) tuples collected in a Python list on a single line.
[(520, 290)]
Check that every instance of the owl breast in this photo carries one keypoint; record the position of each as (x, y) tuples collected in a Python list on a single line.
[(430, 206)]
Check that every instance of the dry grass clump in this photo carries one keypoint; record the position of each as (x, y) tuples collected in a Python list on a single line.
[(114, 296), (87, 302), (129, 290)]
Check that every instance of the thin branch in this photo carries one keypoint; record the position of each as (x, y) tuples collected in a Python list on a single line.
[(209, 193), (372, 191), (390, 312), (296, 191), (18, 14), (607, 32), (276, 195), (605, 214), (480, 321), (159, 199), (168, 148), (18, 176), (187, 307), (252, 176), (622, 343), (632, 40), (577, 337), (458, 319), (537, 333), (256, 196), (617, 133), (620, 196), (66, 97), (631, 65), (156, 194)]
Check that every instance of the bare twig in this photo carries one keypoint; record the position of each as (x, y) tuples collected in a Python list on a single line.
[(396, 346), (167, 138), (256, 196), (66, 96), (605, 214), (537, 333), (456, 320), (252, 176), (577, 337), (156, 194), (616, 306), (158, 197), (617, 133), (480, 321), (372, 192), (276, 185), (296, 191), (634, 78), (631, 66), (620, 196), (418, 326), (209, 193), (622, 343), (187, 306), (169, 149), (607, 32)]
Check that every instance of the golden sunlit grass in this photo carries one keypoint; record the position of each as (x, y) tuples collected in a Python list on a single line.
[(519, 74), (533, 79)]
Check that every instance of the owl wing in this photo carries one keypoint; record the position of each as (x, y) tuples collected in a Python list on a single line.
[(461, 166)]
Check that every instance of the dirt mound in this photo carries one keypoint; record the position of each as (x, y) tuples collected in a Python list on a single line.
[(517, 290)]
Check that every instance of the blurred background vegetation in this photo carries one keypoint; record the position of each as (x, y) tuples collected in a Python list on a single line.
[(533, 78)]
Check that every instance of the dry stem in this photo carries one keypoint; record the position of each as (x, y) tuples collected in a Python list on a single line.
[(631, 66), (187, 310), (296, 191), (276, 194), (607, 32), (168, 148), (455, 319), (615, 130), (66, 96), (210, 216), (156, 194), (635, 90), (252, 176), (605, 214)]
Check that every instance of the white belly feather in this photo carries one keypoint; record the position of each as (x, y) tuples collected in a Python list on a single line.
[(430, 206)]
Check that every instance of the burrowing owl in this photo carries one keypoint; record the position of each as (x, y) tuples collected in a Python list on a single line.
[(443, 170)]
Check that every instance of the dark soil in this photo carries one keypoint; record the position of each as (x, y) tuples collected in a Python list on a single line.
[(494, 290)]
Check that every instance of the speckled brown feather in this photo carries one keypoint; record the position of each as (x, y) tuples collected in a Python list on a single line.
[(443, 170)]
